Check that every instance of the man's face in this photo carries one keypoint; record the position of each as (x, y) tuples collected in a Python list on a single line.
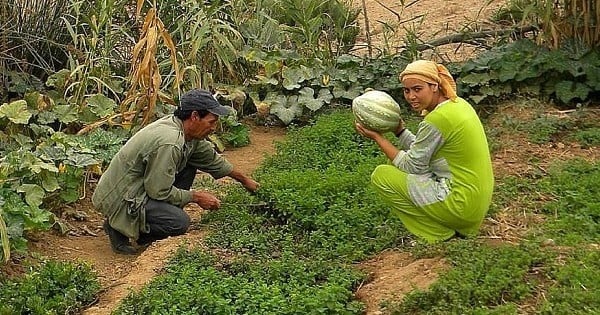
[(200, 128)]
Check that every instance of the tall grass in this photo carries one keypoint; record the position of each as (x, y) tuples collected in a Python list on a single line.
[(39, 38), (32, 35), (209, 43), (559, 20)]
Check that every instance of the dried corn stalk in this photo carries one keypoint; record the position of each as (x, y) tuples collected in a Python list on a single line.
[(145, 76), (4, 240), (570, 19)]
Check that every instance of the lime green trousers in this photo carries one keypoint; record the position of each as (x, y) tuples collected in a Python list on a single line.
[(428, 222)]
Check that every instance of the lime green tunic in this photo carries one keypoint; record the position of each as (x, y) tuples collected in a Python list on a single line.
[(441, 182)]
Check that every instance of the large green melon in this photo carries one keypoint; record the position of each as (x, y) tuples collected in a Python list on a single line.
[(377, 110)]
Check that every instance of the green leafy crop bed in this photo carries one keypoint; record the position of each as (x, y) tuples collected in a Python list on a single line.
[(292, 251), (51, 288), (294, 254), (292, 247)]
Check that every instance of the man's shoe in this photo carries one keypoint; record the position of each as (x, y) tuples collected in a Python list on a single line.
[(119, 242), (146, 240)]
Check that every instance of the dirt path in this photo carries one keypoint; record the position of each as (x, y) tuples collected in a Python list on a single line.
[(393, 274)]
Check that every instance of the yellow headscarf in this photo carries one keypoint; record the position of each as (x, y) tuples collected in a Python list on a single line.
[(433, 73)]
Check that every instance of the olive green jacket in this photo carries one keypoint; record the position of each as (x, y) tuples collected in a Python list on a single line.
[(145, 167)]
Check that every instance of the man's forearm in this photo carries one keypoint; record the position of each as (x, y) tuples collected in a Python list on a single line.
[(237, 175), (245, 180)]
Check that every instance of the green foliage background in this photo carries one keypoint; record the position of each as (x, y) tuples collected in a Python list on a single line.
[(64, 68), (50, 288)]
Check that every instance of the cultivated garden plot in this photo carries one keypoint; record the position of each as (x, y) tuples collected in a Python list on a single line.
[(274, 250), (79, 78), (297, 254)]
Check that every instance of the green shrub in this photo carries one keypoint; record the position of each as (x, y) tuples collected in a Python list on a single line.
[(576, 288), (290, 245), (318, 183), (483, 280), (574, 212), (588, 137), (52, 288), (568, 74), (197, 282), (544, 129)]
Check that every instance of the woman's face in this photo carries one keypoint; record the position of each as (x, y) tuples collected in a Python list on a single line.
[(420, 94)]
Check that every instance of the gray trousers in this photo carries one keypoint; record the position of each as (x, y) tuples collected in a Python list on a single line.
[(164, 219)]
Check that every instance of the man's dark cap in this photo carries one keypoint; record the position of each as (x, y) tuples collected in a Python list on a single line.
[(199, 99)]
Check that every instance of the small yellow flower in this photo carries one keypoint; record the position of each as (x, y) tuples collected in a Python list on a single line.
[(96, 169)]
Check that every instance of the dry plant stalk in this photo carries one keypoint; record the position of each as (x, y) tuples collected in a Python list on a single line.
[(367, 28), (586, 14), (145, 75), (4, 239), (578, 19)]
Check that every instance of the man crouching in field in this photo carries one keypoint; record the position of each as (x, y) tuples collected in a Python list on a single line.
[(146, 185)]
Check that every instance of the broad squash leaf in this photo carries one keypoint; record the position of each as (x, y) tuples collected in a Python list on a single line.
[(80, 160), (266, 80), (286, 108), (34, 194), (65, 113), (348, 59), (477, 98), (101, 105), (32, 99), (527, 72), (59, 79), (292, 77), (340, 90), (46, 117), (307, 99), (16, 112), (49, 181), (566, 91), (476, 79), (508, 72), (35, 164), (325, 95), (272, 68), (24, 141), (592, 76)]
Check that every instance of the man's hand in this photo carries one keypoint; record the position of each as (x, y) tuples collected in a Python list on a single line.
[(206, 200), (250, 184)]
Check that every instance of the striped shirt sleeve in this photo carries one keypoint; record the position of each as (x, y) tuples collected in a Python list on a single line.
[(417, 150)]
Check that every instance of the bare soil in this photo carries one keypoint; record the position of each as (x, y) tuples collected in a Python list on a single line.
[(392, 273), (391, 23)]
